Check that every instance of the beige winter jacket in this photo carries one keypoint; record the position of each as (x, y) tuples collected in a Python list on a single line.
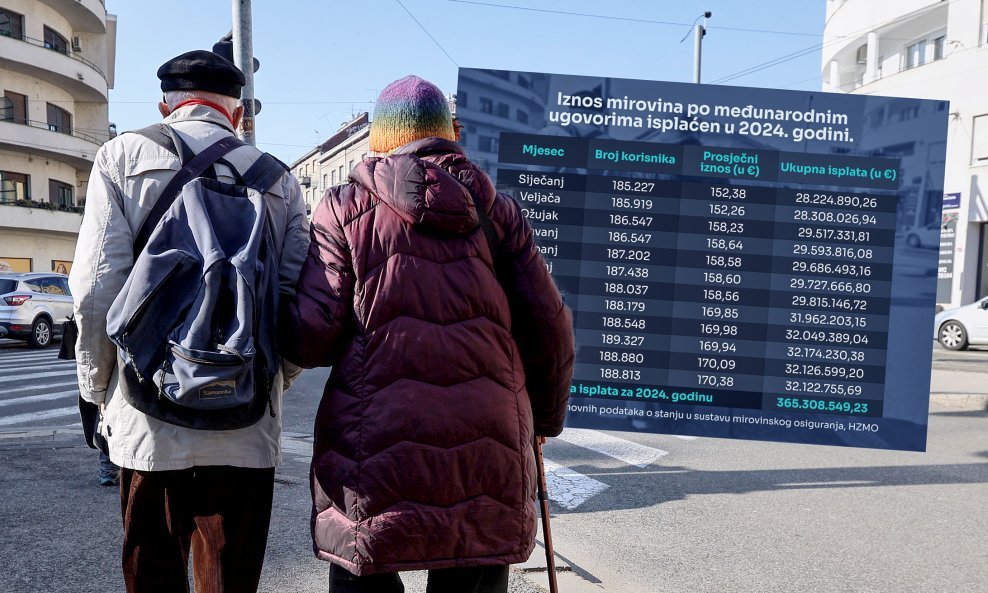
[(129, 173)]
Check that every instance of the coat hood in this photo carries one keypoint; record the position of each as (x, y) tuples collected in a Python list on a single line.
[(431, 184)]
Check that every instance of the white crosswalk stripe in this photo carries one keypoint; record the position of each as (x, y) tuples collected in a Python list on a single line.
[(623, 450), (37, 388), (72, 411), (5, 391), (44, 397), (33, 375), (568, 488)]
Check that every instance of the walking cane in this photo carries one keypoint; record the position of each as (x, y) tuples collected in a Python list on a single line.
[(543, 494)]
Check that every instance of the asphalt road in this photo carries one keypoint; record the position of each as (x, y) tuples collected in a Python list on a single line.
[(974, 359), (631, 512)]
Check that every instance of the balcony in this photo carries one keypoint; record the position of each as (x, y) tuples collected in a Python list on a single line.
[(85, 16), (37, 217), (77, 75), (77, 150)]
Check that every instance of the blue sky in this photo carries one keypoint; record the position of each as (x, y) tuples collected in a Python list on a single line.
[(325, 60)]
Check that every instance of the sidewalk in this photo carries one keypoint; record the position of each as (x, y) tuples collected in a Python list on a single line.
[(961, 389)]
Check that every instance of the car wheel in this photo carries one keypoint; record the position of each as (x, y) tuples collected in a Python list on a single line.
[(953, 336), (912, 240), (40, 333)]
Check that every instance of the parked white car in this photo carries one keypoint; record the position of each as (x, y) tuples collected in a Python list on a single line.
[(923, 236), (958, 328), (34, 306)]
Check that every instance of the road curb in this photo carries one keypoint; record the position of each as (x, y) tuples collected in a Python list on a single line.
[(974, 401)]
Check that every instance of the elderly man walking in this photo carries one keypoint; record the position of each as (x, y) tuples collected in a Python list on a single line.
[(184, 488)]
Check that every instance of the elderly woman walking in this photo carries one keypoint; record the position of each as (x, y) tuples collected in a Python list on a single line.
[(451, 351)]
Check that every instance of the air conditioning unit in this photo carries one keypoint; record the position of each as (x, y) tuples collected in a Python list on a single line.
[(76, 46), (305, 181)]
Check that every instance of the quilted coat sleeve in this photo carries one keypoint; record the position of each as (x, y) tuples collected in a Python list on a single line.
[(318, 321), (541, 322)]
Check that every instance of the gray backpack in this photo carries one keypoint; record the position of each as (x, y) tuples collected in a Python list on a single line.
[(194, 324)]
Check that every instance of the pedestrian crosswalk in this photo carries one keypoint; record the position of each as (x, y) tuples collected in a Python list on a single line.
[(37, 389), (567, 487)]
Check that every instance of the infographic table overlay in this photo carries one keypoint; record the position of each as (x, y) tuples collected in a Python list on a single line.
[(734, 257)]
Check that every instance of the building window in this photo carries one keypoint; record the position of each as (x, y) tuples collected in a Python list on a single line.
[(521, 116), (60, 193), (523, 82), (979, 140), (325, 181), (13, 107), (342, 178), (55, 41), (939, 45), (903, 113), (503, 110), (487, 143), (59, 120), (14, 186), (350, 168), (332, 178), (461, 99), (11, 24), (916, 54), (486, 105)]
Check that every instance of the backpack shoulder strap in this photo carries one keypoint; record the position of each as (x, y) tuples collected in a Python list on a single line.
[(492, 241), (164, 136), (189, 171), (264, 173), (488, 227)]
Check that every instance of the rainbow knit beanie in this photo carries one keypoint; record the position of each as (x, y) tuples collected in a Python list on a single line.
[(409, 109)]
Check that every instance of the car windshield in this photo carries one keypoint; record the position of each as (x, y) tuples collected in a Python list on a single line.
[(7, 285)]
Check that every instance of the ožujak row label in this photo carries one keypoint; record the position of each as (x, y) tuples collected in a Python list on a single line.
[(733, 256)]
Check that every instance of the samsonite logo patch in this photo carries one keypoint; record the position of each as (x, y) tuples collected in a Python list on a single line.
[(218, 390)]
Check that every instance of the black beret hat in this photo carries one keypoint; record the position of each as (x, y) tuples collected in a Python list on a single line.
[(201, 70)]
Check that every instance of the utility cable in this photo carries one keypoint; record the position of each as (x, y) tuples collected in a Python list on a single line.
[(427, 33), (632, 19)]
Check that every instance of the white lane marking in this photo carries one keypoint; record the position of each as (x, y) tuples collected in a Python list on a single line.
[(33, 356), (36, 364), (623, 450), (30, 399), (685, 437), (40, 387), (568, 488), (33, 416), (28, 376)]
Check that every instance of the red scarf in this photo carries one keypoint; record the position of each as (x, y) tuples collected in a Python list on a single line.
[(210, 104)]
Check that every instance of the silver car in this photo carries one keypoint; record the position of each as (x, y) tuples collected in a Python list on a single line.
[(34, 306), (956, 329)]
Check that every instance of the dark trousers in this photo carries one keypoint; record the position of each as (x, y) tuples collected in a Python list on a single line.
[(220, 514), (475, 579)]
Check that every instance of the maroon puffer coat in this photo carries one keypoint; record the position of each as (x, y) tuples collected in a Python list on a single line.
[(423, 442)]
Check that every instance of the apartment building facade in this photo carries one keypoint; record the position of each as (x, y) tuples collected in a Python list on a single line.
[(56, 68), (330, 163), (928, 49)]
